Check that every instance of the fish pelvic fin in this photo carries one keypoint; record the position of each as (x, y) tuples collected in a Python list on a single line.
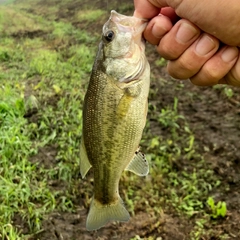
[(100, 214), (85, 165), (139, 164)]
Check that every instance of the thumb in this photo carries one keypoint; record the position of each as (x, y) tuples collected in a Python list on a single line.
[(151, 8), (146, 8)]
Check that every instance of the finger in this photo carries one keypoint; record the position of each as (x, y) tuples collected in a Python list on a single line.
[(170, 13), (157, 28), (233, 76), (217, 67), (145, 9), (194, 57), (203, 14), (150, 8), (178, 39)]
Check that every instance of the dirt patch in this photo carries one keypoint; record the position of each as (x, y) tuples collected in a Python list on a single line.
[(72, 226), (46, 157), (29, 34)]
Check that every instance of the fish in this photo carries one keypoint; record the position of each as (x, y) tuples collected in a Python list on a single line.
[(114, 116)]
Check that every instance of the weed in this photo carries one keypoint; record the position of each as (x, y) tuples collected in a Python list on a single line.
[(225, 90), (228, 92), (161, 62), (9, 232), (217, 210)]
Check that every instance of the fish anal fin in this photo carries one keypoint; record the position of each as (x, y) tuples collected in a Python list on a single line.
[(85, 165), (100, 214), (139, 164)]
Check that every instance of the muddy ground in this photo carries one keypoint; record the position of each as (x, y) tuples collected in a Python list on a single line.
[(214, 120)]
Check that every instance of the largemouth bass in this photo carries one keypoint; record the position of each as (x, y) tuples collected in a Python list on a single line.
[(114, 115)]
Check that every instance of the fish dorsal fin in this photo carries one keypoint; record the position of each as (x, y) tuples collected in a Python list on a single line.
[(139, 164), (85, 165)]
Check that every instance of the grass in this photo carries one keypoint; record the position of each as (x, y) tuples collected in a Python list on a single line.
[(32, 74), (45, 66), (20, 190), (89, 15), (13, 22)]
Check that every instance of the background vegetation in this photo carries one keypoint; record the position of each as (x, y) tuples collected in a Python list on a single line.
[(47, 49)]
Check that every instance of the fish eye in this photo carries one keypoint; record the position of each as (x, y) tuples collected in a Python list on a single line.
[(109, 36)]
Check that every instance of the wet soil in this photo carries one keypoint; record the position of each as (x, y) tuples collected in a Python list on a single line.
[(214, 119)]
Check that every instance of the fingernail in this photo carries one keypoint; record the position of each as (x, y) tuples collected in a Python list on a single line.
[(157, 31), (229, 54), (185, 33), (205, 45)]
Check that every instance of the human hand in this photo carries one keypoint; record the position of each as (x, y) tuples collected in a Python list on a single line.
[(201, 46)]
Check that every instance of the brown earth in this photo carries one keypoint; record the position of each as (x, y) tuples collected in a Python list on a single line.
[(215, 121)]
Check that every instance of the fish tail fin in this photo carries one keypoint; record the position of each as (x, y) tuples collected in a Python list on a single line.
[(100, 214)]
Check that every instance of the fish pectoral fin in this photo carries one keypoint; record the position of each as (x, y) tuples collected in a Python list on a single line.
[(139, 164), (100, 214), (85, 165)]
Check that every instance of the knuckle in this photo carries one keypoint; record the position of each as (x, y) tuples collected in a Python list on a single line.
[(182, 68), (167, 51), (212, 72), (209, 75), (232, 79)]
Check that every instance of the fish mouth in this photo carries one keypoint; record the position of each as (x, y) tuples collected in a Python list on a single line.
[(129, 24)]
